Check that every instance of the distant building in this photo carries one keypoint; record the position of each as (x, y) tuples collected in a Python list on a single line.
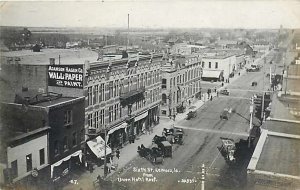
[(218, 66), (261, 46), (291, 80)]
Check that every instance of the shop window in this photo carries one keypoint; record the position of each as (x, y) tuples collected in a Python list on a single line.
[(56, 148), (42, 156), (29, 162), (74, 139), (65, 145), (68, 117), (163, 112), (14, 169), (82, 134)]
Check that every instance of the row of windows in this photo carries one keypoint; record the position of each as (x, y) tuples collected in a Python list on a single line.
[(96, 93), (188, 75), (209, 65), (66, 145), (96, 119), (14, 164)]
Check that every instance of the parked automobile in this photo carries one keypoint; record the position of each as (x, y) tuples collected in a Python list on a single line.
[(192, 113), (254, 83), (224, 92)]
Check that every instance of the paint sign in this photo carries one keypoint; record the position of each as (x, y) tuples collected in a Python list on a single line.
[(69, 76)]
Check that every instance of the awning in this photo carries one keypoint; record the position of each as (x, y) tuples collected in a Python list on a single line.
[(78, 153), (211, 74), (124, 125), (97, 147), (137, 118)]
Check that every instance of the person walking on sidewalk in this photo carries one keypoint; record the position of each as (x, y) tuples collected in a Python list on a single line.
[(118, 153)]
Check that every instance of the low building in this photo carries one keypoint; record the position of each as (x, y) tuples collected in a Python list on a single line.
[(63, 117), (218, 65)]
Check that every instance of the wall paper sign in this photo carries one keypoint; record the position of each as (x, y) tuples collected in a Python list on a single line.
[(70, 76)]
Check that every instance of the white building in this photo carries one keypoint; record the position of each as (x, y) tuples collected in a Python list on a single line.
[(27, 157), (218, 67)]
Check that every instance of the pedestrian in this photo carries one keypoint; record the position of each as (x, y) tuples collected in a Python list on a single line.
[(118, 153), (222, 84), (217, 94), (211, 98)]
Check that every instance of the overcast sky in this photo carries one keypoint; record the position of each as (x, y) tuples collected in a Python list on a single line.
[(153, 13)]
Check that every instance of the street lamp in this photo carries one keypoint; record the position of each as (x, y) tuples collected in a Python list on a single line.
[(105, 167)]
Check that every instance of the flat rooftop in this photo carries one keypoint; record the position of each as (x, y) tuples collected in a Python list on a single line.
[(282, 127), (280, 155), (54, 101), (64, 56)]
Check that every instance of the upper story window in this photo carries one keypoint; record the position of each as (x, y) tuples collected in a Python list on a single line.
[(101, 92), (90, 96), (164, 83), (68, 117), (209, 65), (74, 139), (90, 120), (216, 65), (203, 64), (96, 94)]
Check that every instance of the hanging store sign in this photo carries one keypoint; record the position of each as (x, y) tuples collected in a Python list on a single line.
[(70, 76)]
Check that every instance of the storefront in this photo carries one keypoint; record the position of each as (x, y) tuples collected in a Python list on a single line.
[(117, 136), (66, 165), (140, 124)]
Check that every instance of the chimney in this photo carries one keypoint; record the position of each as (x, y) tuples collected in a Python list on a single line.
[(52, 61)]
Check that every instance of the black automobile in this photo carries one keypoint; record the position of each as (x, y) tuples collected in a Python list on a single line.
[(225, 114), (224, 92)]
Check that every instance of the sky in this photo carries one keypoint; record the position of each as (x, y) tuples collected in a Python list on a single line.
[(152, 13)]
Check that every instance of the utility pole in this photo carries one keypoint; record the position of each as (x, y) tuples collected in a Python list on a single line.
[(203, 177), (251, 116), (263, 91), (127, 32), (105, 169)]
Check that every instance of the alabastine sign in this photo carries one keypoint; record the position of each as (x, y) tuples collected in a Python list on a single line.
[(70, 76)]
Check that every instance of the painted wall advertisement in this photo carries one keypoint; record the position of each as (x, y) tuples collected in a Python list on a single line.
[(70, 76)]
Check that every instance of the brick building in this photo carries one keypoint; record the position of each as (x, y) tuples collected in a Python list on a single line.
[(181, 77), (53, 127), (122, 97)]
